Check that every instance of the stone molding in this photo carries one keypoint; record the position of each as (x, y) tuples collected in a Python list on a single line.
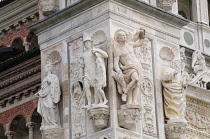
[(83, 5)]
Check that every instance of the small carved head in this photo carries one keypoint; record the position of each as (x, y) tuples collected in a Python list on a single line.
[(176, 63), (48, 67), (77, 89), (120, 36), (88, 42), (142, 33)]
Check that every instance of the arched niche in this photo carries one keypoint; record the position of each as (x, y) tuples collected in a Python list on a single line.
[(18, 125), (2, 132), (18, 44), (36, 118)]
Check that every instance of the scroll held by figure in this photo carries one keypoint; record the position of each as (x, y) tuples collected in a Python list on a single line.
[(49, 96), (127, 66)]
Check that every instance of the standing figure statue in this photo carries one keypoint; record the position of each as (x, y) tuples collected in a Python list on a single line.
[(127, 66), (100, 97), (174, 82), (89, 61), (49, 96), (198, 62)]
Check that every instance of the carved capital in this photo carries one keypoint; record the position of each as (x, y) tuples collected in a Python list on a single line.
[(176, 130), (31, 125), (100, 116), (129, 115), (10, 134)]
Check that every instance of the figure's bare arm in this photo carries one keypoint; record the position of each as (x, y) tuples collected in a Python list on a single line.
[(101, 52)]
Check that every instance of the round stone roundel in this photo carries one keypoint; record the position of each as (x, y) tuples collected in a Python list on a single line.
[(207, 43), (188, 38)]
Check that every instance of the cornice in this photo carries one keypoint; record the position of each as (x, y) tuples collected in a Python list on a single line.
[(16, 11), (85, 4), (63, 15), (156, 12)]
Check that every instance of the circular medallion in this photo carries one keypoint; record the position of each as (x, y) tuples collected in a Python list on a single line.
[(188, 38), (207, 43)]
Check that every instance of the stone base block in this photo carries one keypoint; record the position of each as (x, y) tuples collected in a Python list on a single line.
[(176, 129), (55, 133), (129, 115), (99, 115)]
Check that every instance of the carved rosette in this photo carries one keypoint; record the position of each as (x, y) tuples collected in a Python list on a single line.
[(100, 116), (55, 133), (129, 115), (176, 130)]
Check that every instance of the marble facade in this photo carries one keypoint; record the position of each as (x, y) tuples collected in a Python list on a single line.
[(120, 66)]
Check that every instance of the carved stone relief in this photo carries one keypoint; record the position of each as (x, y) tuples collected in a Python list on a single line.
[(49, 96), (127, 73), (88, 75), (166, 4), (47, 7), (167, 53), (77, 93), (201, 78), (147, 88), (94, 78), (198, 117), (174, 83)]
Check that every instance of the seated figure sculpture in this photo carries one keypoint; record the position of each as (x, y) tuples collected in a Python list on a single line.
[(49, 96), (126, 65), (174, 82)]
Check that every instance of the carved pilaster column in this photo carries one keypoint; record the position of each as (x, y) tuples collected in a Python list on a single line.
[(10, 134), (31, 126)]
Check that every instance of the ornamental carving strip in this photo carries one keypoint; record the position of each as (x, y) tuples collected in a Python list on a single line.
[(147, 88)]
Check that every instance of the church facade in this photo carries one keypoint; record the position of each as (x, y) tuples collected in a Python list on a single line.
[(105, 69)]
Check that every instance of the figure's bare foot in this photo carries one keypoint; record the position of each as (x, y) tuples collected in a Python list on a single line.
[(124, 97), (105, 101)]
